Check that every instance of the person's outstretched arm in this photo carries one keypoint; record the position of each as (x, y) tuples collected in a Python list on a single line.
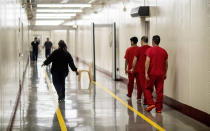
[(71, 63), (49, 59)]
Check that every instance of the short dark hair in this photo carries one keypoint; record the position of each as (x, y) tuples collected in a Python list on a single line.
[(35, 37), (134, 39), (145, 39), (156, 39)]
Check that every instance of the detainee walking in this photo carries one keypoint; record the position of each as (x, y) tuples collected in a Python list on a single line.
[(129, 55), (156, 67), (60, 59), (139, 63)]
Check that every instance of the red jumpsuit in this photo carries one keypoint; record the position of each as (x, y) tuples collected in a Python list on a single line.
[(140, 65), (129, 56), (158, 57)]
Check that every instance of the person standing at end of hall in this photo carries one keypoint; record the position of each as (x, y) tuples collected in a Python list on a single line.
[(129, 55), (35, 47), (48, 47), (156, 67), (139, 63), (60, 59)]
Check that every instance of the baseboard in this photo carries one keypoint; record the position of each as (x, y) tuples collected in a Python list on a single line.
[(192, 112)]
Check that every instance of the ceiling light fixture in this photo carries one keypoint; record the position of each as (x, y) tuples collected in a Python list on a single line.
[(58, 10), (91, 1), (63, 5), (55, 15), (64, 1), (48, 22), (70, 23)]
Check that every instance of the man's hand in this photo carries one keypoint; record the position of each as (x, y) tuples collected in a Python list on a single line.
[(131, 70), (146, 76), (126, 70)]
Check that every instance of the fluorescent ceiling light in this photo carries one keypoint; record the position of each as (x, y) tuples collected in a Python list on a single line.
[(91, 1), (63, 5), (64, 1), (55, 15), (70, 23), (58, 10), (49, 22)]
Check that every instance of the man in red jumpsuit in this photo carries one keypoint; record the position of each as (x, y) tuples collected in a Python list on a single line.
[(139, 60), (156, 67), (129, 55)]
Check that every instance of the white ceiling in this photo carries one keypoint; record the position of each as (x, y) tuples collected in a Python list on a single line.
[(33, 21), (62, 1), (32, 11)]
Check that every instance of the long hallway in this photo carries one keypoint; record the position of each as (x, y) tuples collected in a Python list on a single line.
[(163, 44), (89, 110)]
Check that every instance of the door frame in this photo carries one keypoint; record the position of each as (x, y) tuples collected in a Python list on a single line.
[(115, 76)]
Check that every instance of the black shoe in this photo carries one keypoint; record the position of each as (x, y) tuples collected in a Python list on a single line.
[(128, 97), (61, 100)]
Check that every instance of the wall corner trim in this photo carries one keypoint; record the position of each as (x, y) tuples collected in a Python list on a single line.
[(192, 112)]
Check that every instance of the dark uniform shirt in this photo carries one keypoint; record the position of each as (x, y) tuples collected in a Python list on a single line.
[(48, 45), (60, 60), (35, 45)]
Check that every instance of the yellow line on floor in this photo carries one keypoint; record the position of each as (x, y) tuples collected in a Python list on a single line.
[(131, 108), (58, 111)]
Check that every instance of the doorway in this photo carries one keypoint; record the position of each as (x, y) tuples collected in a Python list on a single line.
[(104, 50)]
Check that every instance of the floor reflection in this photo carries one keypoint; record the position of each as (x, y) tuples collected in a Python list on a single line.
[(135, 122), (34, 74), (31, 112), (55, 122)]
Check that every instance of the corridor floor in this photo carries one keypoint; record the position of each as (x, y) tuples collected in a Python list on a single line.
[(89, 110)]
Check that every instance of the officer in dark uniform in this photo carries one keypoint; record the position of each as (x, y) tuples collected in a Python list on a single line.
[(48, 46), (35, 47), (60, 59)]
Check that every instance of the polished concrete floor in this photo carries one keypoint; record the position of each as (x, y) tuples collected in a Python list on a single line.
[(89, 110)]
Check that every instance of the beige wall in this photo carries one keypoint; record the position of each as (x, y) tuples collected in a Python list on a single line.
[(184, 29), (58, 35), (103, 45), (14, 52), (83, 43)]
